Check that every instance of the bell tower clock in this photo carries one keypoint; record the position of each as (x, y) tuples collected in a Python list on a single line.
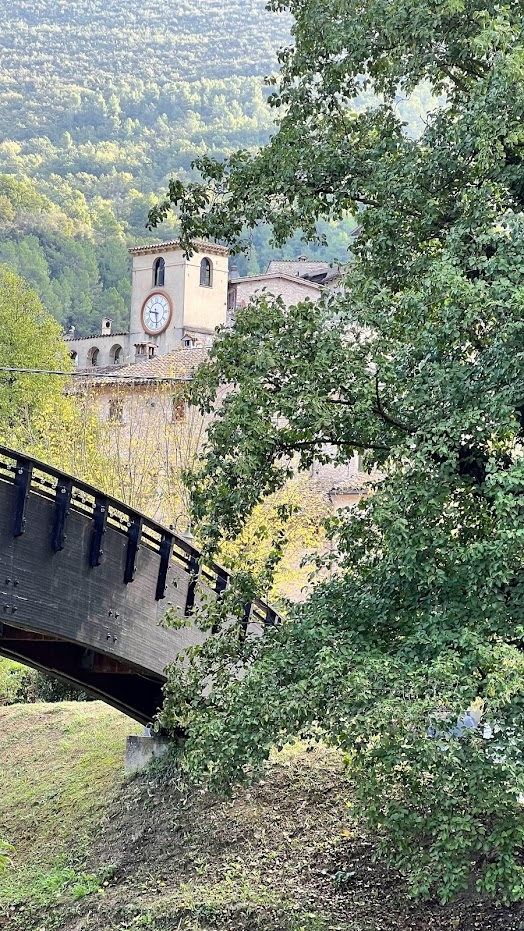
[(156, 313), (172, 295)]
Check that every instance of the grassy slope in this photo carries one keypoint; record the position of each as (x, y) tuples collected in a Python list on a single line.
[(59, 764), (96, 853)]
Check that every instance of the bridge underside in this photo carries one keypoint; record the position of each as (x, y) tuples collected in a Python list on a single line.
[(136, 693)]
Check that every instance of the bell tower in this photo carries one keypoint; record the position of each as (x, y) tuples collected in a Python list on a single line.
[(177, 301)]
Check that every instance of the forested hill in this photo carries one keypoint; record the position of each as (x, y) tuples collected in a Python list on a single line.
[(93, 87), (157, 36), (92, 42), (102, 102)]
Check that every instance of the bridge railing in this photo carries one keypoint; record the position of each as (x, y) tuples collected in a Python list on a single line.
[(30, 476)]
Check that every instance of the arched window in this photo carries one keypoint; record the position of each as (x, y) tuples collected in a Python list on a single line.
[(159, 271), (92, 356), (206, 274), (116, 354), (74, 356)]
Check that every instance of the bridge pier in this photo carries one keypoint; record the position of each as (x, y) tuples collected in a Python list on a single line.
[(141, 749)]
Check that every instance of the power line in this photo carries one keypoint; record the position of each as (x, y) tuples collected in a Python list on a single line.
[(89, 374)]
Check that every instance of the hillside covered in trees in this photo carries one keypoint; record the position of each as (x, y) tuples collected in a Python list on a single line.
[(103, 102), (119, 94)]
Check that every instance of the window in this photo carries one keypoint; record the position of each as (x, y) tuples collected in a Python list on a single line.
[(231, 298), (206, 274), (92, 356), (179, 408), (74, 356), (159, 271), (116, 410), (116, 354)]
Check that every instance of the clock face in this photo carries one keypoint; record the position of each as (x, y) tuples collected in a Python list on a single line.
[(156, 313)]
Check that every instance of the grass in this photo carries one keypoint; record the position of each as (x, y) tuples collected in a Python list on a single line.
[(60, 765)]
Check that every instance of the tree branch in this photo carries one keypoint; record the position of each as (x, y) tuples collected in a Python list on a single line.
[(454, 80), (326, 441), (386, 417)]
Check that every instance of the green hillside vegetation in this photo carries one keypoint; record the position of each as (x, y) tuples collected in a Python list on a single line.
[(99, 852), (102, 103), (60, 763), (96, 88), (75, 261)]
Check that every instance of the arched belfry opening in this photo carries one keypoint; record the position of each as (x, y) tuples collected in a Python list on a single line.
[(159, 273), (206, 274), (116, 354)]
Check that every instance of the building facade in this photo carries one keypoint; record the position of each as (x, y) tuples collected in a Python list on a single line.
[(176, 306), (176, 303)]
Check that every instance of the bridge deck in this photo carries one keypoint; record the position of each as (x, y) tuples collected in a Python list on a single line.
[(85, 582)]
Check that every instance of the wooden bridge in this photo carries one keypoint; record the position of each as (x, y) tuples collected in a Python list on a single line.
[(85, 582)]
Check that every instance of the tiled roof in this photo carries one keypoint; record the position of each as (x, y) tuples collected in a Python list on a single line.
[(171, 245), (181, 363), (273, 276), (68, 338), (299, 267), (332, 274)]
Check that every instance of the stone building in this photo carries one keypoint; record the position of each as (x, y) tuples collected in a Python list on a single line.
[(293, 280), (147, 433), (176, 303), (176, 306)]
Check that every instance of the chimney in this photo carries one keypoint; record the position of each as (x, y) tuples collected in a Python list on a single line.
[(233, 273), (106, 326), (145, 351)]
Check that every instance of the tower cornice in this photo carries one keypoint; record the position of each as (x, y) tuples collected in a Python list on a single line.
[(173, 245)]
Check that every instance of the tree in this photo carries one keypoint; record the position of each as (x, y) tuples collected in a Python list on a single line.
[(37, 415), (29, 339), (418, 363)]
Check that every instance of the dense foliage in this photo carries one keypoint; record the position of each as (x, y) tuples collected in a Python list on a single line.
[(21, 685), (100, 102), (419, 364), (30, 339), (74, 258)]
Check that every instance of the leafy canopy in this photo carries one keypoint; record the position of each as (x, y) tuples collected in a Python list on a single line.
[(419, 362), (29, 339), (37, 415)]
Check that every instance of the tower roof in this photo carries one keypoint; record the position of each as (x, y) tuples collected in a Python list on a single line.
[(173, 245)]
